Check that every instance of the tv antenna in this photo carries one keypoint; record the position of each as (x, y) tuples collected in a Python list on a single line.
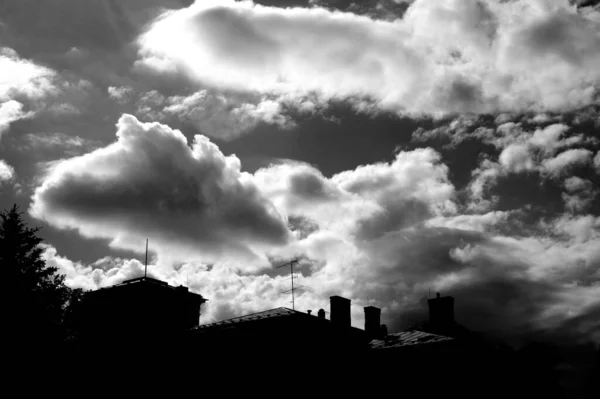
[(293, 289), (146, 263)]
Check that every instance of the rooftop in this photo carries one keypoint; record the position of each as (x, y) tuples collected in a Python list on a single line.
[(408, 338), (281, 312), (267, 314), (147, 281)]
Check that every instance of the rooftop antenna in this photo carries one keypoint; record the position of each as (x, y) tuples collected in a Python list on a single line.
[(291, 263), (146, 264)]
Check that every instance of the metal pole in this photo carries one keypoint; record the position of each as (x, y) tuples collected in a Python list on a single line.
[(292, 272)]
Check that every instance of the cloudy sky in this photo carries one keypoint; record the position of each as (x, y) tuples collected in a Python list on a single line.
[(394, 147)]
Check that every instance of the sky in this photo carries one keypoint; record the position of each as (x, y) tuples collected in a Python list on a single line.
[(395, 148)]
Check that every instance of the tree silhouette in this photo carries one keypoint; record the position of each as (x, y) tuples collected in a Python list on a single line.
[(38, 304)]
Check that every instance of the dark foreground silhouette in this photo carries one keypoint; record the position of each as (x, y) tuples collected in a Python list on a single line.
[(141, 337)]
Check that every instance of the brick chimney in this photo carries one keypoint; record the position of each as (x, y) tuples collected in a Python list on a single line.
[(441, 312), (340, 311), (372, 322)]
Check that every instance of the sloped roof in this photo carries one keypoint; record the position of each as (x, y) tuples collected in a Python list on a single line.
[(407, 338), (267, 314)]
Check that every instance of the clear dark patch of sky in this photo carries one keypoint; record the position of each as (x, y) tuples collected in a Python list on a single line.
[(283, 3), (353, 139)]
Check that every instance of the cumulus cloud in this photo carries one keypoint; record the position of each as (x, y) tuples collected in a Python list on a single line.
[(10, 111), (7, 172), (367, 201), (579, 194), (551, 152), (516, 158), (441, 57), (190, 202), (21, 81), (566, 159)]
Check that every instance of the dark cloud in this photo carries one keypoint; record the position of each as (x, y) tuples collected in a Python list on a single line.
[(310, 186), (563, 36), (586, 325), (585, 3), (493, 294), (399, 214)]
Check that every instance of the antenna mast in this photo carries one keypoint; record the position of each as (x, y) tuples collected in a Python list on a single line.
[(146, 264), (291, 263)]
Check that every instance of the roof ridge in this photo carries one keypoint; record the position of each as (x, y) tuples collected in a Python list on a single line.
[(249, 315)]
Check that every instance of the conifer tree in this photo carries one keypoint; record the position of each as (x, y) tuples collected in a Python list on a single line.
[(36, 298)]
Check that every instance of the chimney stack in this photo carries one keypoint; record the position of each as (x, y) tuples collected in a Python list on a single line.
[(321, 314), (441, 312), (372, 322), (340, 311)]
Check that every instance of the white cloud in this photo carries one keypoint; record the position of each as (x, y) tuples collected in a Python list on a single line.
[(367, 201), (10, 111), (7, 172), (300, 190), (21, 80), (475, 222), (578, 228), (597, 162), (521, 151), (121, 94), (441, 57), (483, 178), (557, 165), (225, 117), (548, 137), (516, 158), (23, 77)]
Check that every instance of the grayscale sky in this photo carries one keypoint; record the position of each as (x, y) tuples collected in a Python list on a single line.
[(394, 147)]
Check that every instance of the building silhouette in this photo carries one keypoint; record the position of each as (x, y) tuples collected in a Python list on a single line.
[(144, 325), (143, 307), (279, 332)]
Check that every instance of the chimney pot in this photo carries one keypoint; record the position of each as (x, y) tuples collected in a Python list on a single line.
[(321, 314), (309, 312), (383, 331), (372, 322), (441, 313), (340, 311), (438, 295)]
